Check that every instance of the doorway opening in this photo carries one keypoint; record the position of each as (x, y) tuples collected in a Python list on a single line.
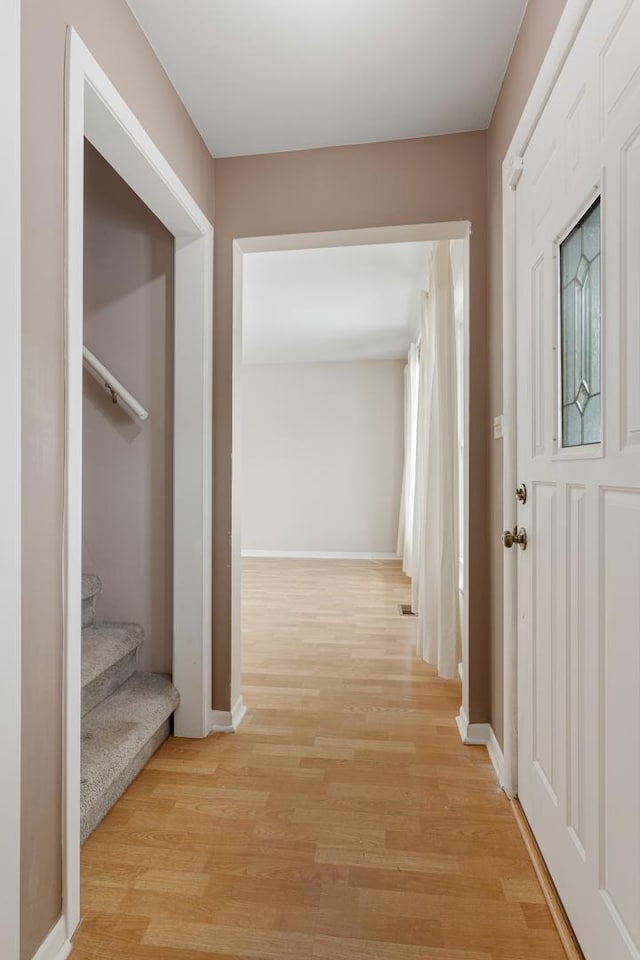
[(97, 114), (288, 469), (128, 697)]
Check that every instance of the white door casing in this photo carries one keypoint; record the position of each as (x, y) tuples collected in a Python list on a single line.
[(10, 434), (95, 110), (459, 230), (578, 604)]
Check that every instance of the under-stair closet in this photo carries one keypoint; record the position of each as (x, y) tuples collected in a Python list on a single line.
[(127, 694)]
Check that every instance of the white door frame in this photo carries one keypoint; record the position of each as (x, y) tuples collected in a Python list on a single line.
[(95, 110), (10, 543), (559, 49), (451, 230)]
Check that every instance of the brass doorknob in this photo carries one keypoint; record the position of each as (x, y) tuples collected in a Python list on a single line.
[(519, 536)]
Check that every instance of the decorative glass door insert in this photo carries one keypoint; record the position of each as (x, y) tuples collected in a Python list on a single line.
[(580, 265)]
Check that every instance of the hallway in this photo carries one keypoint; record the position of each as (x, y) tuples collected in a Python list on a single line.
[(345, 820)]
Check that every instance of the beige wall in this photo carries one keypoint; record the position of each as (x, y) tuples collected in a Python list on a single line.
[(127, 489), (538, 26), (322, 456), (401, 182), (112, 34)]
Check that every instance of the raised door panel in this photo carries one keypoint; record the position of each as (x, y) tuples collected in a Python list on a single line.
[(620, 710), (544, 637), (630, 282), (619, 63), (537, 353), (576, 700)]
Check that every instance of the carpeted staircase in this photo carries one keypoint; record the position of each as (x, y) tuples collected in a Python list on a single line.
[(125, 714)]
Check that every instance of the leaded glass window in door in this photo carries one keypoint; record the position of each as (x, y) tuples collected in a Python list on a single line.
[(580, 265)]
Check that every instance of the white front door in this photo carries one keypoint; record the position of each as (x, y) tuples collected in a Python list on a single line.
[(578, 424)]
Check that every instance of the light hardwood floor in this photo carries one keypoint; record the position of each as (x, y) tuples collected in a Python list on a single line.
[(344, 821)]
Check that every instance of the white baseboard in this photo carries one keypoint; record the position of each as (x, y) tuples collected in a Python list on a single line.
[(227, 721), (317, 555), (221, 722), (56, 946), (497, 756), (238, 713), (482, 734)]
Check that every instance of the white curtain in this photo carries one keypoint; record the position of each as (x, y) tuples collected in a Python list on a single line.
[(435, 577), (405, 526)]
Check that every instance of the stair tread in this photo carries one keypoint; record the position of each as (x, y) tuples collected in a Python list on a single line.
[(115, 731), (91, 585), (105, 643)]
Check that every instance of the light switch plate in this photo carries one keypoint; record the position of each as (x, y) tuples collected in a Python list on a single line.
[(497, 428)]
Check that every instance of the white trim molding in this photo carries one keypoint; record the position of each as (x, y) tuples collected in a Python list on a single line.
[(482, 734), (318, 555), (56, 946), (513, 172), (10, 483), (496, 756), (568, 27), (96, 111), (228, 721)]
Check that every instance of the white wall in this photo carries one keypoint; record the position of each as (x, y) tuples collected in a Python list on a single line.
[(127, 515), (322, 456), (10, 482)]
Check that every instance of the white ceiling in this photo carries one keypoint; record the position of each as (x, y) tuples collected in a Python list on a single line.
[(338, 303), (262, 76)]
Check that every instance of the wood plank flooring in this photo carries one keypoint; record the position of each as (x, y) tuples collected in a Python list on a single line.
[(344, 821)]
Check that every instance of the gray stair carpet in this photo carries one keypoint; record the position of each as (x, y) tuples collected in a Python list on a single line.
[(91, 588), (109, 652), (118, 738)]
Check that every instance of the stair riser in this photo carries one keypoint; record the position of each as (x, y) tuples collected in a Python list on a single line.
[(89, 610), (91, 590), (108, 682), (101, 806)]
